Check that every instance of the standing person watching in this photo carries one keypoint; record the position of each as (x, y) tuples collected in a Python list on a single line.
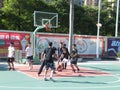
[(29, 55), (11, 55)]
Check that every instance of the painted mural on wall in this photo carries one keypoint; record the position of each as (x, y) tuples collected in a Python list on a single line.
[(87, 45), (42, 41), (20, 41), (113, 46)]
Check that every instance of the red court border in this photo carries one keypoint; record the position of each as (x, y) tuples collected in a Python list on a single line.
[(65, 73)]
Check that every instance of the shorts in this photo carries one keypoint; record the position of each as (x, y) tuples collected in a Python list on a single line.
[(50, 65), (11, 59), (74, 61), (30, 58)]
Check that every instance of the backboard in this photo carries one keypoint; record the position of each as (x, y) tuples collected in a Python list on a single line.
[(42, 18)]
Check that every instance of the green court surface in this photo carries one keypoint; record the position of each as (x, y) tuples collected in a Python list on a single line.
[(17, 80)]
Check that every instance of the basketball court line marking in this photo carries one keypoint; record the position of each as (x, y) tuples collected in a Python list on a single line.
[(27, 75), (118, 79), (115, 76), (88, 87), (107, 86)]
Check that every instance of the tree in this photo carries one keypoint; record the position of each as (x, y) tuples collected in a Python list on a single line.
[(108, 18), (85, 20), (18, 14), (62, 8)]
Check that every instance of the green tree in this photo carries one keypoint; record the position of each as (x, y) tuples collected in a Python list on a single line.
[(108, 17), (85, 20), (18, 14), (62, 8)]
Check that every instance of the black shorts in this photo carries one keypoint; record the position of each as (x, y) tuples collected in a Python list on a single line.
[(30, 58), (74, 61), (11, 59), (50, 65)]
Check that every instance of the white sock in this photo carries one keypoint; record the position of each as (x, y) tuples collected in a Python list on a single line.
[(45, 74), (51, 74)]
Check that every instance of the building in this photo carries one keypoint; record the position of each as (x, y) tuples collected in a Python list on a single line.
[(1, 3), (91, 3)]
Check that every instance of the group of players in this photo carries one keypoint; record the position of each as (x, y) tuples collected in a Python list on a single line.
[(48, 56)]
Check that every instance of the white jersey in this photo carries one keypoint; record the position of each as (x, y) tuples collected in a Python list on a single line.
[(11, 51), (29, 51)]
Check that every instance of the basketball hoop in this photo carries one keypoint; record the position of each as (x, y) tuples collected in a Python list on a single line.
[(48, 27)]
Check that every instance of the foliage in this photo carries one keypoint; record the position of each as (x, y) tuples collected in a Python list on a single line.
[(108, 18), (18, 15), (87, 21), (118, 54)]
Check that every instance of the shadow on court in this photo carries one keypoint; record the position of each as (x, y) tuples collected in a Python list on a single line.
[(78, 82), (91, 77), (3, 67)]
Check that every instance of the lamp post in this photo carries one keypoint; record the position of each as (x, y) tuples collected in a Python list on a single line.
[(71, 18), (98, 30), (117, 16)]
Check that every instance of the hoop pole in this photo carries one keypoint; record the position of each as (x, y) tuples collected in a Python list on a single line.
[(34, 39)]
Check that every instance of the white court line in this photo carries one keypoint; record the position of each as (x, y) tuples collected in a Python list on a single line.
[(83, 87), (117, 76), (86, 87), (28, 75), (118, 79)]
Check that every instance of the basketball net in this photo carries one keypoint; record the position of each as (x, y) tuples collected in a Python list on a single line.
[(48, 27)]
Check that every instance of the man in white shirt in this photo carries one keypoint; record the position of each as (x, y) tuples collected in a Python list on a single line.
[(11, 55), (29, 55)]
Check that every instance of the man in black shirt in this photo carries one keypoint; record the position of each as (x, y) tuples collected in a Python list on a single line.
[(49, 62)]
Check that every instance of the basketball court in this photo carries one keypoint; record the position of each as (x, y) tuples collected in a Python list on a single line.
[(100, 75), (97, 75)]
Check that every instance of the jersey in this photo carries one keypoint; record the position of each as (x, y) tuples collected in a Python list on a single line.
[(11, 51), (49, 52)]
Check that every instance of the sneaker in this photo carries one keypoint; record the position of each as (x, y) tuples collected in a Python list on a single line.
[(10, 68), (52, 79), (45, 79), (78, 70), (54, 72), (73, 70), (38, 75), (13, 69)]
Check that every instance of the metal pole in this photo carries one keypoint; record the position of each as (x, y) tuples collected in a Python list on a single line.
[(117, 16), (98, 29), (71, 25), (34, 39)]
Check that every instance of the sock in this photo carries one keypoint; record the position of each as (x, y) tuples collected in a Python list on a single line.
[(45, 74), (51, 74)]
